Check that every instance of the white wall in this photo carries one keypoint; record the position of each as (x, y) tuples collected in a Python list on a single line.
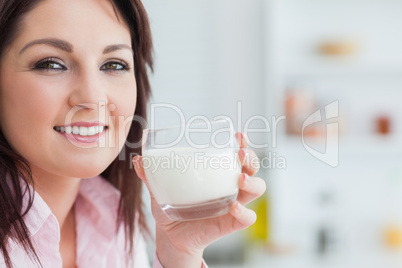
[(208, 56)]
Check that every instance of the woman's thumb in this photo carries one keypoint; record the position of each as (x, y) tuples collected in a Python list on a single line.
[(139, 168)]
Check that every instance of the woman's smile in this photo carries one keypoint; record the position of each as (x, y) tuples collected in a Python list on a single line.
[(83, 133)]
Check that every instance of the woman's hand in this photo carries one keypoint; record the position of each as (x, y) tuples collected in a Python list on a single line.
[(181, 243)]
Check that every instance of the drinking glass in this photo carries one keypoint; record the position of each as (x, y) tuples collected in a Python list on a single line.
[(192, 170)]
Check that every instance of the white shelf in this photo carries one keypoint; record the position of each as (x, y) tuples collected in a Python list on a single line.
[(342, 67), (370, 146)]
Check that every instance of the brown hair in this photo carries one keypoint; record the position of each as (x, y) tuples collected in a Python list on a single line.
[(119, 173)]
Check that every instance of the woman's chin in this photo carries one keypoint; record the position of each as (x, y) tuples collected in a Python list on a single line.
[(86, 171), (87, 166)]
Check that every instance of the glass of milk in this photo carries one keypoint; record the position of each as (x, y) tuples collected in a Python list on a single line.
[(193, 169)]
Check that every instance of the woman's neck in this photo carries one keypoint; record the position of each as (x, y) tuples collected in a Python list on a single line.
[(59, 193)]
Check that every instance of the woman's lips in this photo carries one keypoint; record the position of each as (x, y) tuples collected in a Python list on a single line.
[(82, 132), (85, 124), (87, 140)]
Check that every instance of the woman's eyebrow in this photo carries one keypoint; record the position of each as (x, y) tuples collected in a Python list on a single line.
[(66, 46), (54, 42), (112, 48)]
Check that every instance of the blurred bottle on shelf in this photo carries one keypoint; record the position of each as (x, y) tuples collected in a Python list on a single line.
[(299, 105), (383, 125), (303, 104), (257, 235), (327, 240), (393, 236), (392, 228), (259, 231), (339, 47)]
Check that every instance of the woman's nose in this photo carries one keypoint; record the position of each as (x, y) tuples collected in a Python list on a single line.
[(88, 92), (90, 105)]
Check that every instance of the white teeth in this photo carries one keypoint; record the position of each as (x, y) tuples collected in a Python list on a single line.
[(82, 131), (91, 131), (68, 130), (76, 130)]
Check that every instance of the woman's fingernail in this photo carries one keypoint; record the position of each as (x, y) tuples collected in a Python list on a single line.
[(242, 153), (136, 159), (246, 179), (237, 208), (246, 140)]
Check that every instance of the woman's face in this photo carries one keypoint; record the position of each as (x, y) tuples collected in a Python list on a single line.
[(69, 69)]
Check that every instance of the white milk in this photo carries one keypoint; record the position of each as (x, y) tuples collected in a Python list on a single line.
[(183, 176)]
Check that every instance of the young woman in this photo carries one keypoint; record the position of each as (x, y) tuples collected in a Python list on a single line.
[(72, 75)]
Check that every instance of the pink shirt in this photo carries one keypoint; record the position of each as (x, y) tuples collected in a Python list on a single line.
[(97, 243)]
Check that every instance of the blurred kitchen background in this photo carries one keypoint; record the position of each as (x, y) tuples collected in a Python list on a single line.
[(334, 196)]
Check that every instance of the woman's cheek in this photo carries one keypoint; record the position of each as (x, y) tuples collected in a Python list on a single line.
[(123, 116)]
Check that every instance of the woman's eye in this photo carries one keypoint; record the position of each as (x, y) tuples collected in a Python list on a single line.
[(115, 66), (49, 65)]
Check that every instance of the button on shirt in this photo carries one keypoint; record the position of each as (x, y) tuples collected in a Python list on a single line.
[(97, 243)]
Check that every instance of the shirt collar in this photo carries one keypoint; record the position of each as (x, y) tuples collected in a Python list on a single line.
[(97, 202)]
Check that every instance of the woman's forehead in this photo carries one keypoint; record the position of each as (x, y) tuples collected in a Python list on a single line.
[(85, 22)]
